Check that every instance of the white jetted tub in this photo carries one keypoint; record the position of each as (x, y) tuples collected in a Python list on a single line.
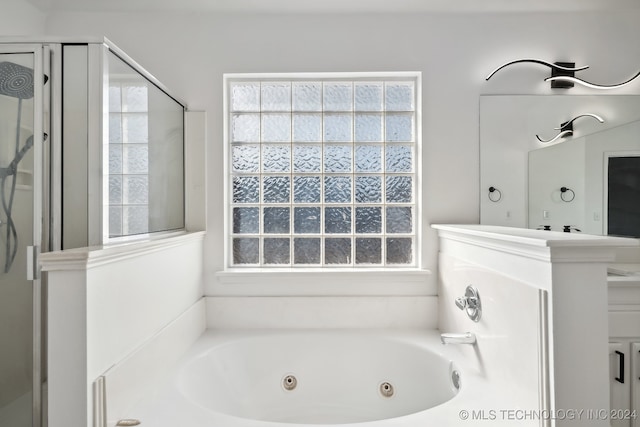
[(310, 377)]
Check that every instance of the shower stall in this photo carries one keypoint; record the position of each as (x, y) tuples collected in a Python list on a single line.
[(91, 153)]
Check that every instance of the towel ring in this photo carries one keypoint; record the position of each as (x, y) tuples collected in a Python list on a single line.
[(495, 198), (565, 190)]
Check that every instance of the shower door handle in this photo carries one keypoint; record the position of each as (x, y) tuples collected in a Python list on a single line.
[(33, 272)]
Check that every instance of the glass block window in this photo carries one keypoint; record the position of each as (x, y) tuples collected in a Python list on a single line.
[(322, 172)]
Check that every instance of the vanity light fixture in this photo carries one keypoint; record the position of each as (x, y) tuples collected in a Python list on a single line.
[(566, 128), (563, 74)]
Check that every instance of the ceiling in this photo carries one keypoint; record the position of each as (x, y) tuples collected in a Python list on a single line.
[(335, 6)]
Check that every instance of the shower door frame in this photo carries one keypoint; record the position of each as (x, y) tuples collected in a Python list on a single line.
[(39, 51)]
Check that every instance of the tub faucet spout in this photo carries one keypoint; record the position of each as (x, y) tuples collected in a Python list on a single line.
[(465, 338)]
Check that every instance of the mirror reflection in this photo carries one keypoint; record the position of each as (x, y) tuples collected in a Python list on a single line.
[(146, 155), (588, 180)]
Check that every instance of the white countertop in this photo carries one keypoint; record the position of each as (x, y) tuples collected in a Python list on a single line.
[(536, 237), (624, 269)]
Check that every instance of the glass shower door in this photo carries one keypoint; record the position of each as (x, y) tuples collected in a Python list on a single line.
[(21, 137)]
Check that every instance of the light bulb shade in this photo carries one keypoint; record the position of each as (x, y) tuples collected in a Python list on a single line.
[(557, 66)]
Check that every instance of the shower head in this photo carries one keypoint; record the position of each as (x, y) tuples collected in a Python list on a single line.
[(16, 80)]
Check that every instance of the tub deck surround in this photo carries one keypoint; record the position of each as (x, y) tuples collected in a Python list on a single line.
[(509, 334), (95, 256), (173, 403), (323, 312), (572, 269), (104, 303), (322, 281), (134, 377), (322, 298)]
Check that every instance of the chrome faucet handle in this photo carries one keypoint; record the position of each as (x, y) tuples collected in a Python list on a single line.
[(471, 303)]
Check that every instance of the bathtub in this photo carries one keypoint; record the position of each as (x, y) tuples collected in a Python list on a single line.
[(282, 378)]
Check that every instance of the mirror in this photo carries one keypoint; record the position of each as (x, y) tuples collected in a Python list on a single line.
[(598, 166)]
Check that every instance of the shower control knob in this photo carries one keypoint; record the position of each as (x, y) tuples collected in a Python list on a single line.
[(471, 303), (466, 302)]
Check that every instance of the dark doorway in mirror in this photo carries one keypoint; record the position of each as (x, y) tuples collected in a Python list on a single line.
[(623, 206)]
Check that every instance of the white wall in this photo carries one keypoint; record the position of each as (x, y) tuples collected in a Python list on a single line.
[(190, 52), (19, 18)]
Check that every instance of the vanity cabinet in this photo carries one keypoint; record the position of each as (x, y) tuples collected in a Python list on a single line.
[(624, 350)]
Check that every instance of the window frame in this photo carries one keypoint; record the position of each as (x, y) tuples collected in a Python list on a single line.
[(352, 77)]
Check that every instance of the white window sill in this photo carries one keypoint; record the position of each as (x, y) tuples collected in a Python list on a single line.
[(278, 282)]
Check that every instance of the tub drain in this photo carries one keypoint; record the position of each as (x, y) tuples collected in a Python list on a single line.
[(455, 379), (289, 382), (386, 389)]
